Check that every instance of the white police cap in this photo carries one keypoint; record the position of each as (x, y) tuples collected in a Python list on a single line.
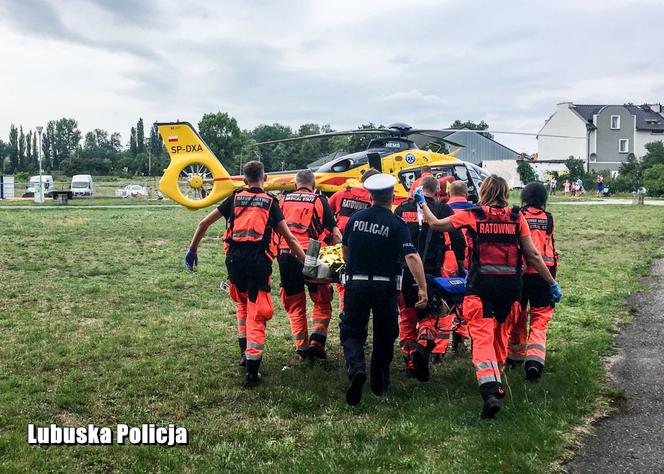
[(380, 182)]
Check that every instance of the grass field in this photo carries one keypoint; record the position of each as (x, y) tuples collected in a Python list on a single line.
[(100, 323)]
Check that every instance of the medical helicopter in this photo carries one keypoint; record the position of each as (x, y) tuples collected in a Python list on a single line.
[(196, 178)]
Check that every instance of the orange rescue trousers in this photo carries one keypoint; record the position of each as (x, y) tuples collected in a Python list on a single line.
[(527, 339), (294, 299), (489, 343), (250, 289), (430, 332), (530, 345)]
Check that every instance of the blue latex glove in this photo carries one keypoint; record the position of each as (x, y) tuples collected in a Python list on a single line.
[(556, 294), (419, 196), (191, 259)]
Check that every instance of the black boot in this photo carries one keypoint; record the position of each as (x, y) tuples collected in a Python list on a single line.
[(354, 392), (491, 407), (492, 392), (317, 349), (242, 341), (512, 364), (252, 376), (421, 361), (533, 370)]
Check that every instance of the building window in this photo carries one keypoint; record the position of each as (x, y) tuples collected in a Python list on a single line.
[(615, 122), (623, 145)]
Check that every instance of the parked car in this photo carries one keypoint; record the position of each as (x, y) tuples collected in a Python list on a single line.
[(47, 182), (82, 185), (132, 191)]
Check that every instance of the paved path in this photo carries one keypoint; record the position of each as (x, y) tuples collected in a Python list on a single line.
[(633, 439), (648, 202), (119, 206)]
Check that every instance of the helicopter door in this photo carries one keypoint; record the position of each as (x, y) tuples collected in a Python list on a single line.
[(375, 161), (463, 173)]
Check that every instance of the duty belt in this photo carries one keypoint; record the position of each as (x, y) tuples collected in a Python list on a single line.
[(396, 279), (369, 278)]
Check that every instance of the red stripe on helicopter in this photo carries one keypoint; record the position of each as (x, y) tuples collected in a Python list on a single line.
[(337, 180)]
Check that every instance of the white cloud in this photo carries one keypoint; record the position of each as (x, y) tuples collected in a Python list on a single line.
[(344, 63)]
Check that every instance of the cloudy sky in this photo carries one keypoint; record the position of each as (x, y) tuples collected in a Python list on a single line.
[(108, 62)]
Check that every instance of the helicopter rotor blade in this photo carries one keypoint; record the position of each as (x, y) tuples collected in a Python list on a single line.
[(430, 134), (503, 132), (367, 131)]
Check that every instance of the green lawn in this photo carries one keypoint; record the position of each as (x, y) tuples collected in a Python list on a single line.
[(100, 323)]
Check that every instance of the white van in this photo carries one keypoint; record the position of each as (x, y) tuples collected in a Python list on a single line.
[(47, 183), (81, 185)]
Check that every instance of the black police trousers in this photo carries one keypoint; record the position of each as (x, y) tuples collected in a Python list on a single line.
[(360, 299)]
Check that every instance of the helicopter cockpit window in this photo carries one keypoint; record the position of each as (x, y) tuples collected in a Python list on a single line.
[(461, 173), (343, 165), (474, 174), (407, 179)]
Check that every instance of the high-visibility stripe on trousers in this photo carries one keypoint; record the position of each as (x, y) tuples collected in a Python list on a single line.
[(296, 308), (321, 296), (258, 313), (240, 299), (530, 345), (489, 340)]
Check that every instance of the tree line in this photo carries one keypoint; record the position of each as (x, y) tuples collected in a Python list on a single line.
[(66, 150)]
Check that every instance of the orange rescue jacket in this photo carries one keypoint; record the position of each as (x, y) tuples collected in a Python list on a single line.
[(303, 212), (541, 226)]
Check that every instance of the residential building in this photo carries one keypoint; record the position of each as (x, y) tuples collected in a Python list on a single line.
[(602, 136)]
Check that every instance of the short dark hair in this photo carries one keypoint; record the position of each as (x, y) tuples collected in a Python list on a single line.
[(458, 188), (430, 184), (534, 194), (305, 177), (253, 171), (369, 173), (426, 169), (383, 197)]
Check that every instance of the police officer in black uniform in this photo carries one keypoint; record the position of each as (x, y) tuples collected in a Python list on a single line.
[(374, 243)]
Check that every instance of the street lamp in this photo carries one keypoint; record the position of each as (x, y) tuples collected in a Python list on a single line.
[(39, 159)]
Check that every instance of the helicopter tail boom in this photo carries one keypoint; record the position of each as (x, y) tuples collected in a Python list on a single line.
[(195, 177)]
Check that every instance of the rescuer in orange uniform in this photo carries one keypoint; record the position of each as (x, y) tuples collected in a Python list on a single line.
[(351, 199), (308, 216), (535, 296), (426, 171), (501, 238), (419, 330), (251, 214), (344, 204), (444, 195)]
